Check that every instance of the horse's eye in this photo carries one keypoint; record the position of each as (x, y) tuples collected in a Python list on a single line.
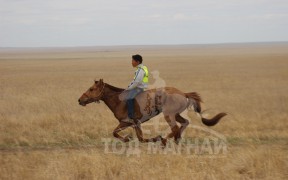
[(90, 89)]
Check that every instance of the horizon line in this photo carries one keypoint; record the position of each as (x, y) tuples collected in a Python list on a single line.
[(130, 45)]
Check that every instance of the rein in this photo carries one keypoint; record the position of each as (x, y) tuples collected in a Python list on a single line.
[(96, 98)]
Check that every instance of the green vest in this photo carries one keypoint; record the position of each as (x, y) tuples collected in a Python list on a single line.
[(145, 78)]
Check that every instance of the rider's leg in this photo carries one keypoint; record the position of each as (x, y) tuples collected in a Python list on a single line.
[(130, 101)]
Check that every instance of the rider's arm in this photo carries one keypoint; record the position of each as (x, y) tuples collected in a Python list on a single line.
[(139, 77)]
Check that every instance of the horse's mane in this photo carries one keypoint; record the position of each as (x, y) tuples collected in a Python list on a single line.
[(114, 88)]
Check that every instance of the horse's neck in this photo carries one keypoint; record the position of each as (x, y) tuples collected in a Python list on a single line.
[(111, 98)]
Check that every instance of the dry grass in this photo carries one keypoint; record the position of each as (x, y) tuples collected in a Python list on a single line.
[(45, 134)]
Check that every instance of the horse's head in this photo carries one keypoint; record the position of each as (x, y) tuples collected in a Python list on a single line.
[(93, 94)]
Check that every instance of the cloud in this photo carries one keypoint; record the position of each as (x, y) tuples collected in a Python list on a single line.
[(138, 22), (274, 16), (180, 17)]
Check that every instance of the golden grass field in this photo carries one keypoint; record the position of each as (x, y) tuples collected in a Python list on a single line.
[(46, 134)]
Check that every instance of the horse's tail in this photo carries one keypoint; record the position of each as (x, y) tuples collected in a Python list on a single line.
[(195, 100)]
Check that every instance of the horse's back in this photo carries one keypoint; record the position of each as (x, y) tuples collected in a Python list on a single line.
[(164, 91)]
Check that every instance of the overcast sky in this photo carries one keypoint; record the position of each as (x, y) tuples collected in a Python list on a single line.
[(43, 23)]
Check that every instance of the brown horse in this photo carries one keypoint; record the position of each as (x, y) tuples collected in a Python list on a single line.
[(148, 104)]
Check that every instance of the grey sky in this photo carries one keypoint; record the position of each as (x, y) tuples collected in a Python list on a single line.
[(38, 23)]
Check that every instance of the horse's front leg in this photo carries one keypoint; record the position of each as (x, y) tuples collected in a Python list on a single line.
[(120, 127)]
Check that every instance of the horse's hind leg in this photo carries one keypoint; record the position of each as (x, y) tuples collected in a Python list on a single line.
[(120, 127), (171, 120), (184, 123)]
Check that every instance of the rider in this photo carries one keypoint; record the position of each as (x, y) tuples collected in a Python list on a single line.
[(139, 83)]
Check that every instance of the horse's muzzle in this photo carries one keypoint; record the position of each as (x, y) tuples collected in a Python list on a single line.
[(81, 102)]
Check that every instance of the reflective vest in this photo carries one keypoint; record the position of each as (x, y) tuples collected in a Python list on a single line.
[(145, 69)]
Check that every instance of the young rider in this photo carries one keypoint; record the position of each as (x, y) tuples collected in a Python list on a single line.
[(139, 83)]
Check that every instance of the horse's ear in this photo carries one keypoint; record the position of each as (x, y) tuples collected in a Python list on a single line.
[(100, 82)]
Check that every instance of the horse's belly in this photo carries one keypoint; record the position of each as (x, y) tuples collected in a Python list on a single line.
[(146, 117)]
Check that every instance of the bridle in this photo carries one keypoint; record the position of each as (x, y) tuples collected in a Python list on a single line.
[(96, 99)]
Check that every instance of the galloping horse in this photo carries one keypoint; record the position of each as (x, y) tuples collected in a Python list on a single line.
[(148, 104)]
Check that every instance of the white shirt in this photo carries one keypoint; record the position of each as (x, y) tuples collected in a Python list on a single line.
[(138, 80)]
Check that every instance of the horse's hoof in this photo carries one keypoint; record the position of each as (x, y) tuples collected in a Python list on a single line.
[(177, 141)]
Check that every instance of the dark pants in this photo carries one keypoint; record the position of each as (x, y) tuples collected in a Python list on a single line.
[(130, 101)]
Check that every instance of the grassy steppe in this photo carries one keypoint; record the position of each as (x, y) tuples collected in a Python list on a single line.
[(45, 134)]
